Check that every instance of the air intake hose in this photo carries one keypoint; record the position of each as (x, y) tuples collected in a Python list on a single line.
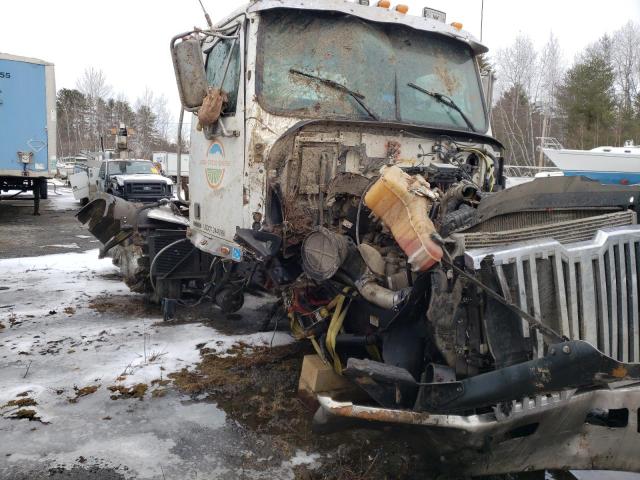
[(325, 254)]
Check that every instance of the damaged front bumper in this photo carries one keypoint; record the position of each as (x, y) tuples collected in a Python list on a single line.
[(596, 429), (577, 409)]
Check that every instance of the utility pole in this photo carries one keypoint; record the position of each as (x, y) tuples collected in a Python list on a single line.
[(481, 17)]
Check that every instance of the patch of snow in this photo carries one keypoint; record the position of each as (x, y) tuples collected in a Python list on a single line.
[(62, 262), (62, 245), (303, 458)]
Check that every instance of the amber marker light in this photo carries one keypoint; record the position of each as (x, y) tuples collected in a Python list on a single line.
[(456, 25), (383, 4), (402, 8)]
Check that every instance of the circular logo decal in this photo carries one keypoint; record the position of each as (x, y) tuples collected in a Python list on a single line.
[(215, 165)]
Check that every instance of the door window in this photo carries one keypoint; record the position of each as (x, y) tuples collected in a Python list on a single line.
[(223, 70)]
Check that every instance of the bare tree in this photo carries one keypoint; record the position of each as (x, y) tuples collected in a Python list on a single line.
[(518, 77), (551, 67), (88, 114), (163, 116), (626, 62), (93, 83), (552, 70), (625, 59), (516, 65)]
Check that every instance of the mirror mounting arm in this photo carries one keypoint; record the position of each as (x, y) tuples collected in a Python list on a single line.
[(218, 130), (188, 63)]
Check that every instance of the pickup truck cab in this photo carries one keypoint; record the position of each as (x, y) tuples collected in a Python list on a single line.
[(135, 180)]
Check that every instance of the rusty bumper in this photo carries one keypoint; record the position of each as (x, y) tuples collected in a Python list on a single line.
[(596, 430)]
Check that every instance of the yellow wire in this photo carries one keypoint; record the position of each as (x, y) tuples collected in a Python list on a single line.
[(334, 327), (489, 164)]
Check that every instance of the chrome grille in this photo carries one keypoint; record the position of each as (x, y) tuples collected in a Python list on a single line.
[(145, 188), (586, 290)]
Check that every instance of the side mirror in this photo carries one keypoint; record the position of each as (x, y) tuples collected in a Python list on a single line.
[(190, 72)]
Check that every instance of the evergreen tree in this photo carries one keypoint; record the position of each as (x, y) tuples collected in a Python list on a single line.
[(586, 98)]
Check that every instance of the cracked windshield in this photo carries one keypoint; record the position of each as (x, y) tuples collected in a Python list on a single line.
[(375, 62)]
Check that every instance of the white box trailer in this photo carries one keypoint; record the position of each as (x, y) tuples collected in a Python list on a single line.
[(169, 163)]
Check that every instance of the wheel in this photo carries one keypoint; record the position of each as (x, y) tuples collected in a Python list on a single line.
[(84, 201), (44, 191), (230, 300)]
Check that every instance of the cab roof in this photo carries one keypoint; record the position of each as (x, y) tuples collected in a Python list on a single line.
[(366, 12)]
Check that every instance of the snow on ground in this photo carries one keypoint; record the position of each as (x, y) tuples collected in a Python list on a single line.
[(60, 197), (54, 344)]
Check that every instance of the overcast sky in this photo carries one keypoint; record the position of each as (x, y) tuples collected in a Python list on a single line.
[(129, 39)]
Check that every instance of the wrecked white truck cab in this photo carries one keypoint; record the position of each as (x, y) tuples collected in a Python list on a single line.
[(304, 63), (341, 158)]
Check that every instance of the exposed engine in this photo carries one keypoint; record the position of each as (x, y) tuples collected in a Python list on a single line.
[(364, 235)]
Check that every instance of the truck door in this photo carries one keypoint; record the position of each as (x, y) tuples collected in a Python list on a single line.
[(80, 185), (217, 154), (102, 178)]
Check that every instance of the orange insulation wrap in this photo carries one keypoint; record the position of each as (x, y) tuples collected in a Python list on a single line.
[(393, 199)]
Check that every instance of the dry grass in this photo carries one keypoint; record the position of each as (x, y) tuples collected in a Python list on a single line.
[(161, 382), (122, 305), (25, 413), (159, 392), (261, 377), (136, 391), (20, 402), (155, 356), (83, 392)]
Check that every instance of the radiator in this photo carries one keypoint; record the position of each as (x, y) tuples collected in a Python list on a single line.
[(562, 229), (585, 290)]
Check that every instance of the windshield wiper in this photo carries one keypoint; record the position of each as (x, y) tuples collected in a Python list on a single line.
[(445, 100), (358, 97)]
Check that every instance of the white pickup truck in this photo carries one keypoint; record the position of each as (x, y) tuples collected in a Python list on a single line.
[(131, 179)]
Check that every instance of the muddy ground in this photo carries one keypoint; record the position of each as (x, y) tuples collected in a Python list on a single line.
[(257, 386)]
